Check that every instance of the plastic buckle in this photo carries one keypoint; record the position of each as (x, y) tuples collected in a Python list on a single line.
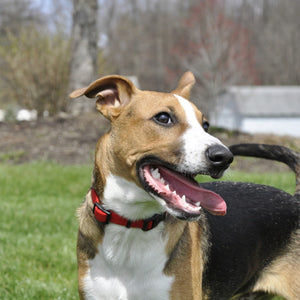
[(103, 212), (156, 219)]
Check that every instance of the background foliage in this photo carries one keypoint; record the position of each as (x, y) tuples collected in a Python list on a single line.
[(35, 69), (228, 42)]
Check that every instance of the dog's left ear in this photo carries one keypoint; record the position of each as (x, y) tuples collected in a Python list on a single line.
[(185, 85), (113, 92)]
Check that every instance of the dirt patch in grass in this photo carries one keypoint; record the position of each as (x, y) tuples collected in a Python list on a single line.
[(65, 140), (71, 140)]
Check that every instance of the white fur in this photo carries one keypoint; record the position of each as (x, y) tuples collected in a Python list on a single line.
[(130, 262), (195, 141), (127, 199), (129, 266)]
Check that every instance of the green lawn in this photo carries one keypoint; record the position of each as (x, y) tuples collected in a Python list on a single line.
[(284, 181), (38, 230), (38, 226)]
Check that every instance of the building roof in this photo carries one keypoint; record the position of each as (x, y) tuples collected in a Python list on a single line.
[(266, 101)]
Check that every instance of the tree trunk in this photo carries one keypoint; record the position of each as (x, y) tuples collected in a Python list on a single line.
[(83, 68)]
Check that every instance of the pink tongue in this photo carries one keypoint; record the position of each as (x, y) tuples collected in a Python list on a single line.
[(209, 200)]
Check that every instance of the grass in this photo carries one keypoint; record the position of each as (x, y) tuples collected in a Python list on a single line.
[(284, 181), (38, 226), (38, 230)]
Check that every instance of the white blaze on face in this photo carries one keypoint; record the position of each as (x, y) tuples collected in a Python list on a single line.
[(195, 141)]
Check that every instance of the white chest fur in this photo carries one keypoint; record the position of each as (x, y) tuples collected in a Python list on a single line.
[(129, 266)]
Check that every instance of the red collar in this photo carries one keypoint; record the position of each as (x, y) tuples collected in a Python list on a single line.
[(106, 216)]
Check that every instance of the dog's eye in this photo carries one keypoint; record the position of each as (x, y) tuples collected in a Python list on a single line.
[(163, 118), (205, 125)]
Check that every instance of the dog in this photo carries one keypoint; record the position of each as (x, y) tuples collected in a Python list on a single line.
[(148, 230)]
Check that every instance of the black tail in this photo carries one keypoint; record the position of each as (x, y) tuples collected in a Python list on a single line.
[(273, 152)]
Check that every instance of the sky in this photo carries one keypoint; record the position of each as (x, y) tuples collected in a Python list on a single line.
[(44, 5), (48, 8)]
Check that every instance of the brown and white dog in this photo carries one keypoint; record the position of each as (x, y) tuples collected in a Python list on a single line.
[(135, 241)]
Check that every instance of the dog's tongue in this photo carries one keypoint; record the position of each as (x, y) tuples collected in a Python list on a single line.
[(209, 200), (195, 195)]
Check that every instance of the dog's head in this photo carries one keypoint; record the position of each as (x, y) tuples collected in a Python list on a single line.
[(159, 142)]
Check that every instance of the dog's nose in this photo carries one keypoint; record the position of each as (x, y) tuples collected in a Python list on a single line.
[(219, 156)]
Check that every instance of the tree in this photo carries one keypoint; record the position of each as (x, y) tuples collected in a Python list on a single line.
[(275, 28), (216, 49), (18, 14), (278, 43), (140, 35), (84, 51)]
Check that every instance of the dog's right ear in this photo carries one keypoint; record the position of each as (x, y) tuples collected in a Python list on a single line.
[(113, 92)]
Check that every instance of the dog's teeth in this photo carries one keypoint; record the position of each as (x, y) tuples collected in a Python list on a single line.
[(198, 204), (167, 187), (155, 173), (183, 198)]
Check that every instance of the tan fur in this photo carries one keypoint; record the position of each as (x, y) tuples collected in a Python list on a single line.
[(186, 260), (89, 236), (186, 251), (151, 139), (279, 276)]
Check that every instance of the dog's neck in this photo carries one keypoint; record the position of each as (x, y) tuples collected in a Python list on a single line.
[(105, 216)]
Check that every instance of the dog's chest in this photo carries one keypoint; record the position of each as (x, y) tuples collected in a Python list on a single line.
[(129, 265)]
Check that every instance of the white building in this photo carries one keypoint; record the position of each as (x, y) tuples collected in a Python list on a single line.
[(259, 109)]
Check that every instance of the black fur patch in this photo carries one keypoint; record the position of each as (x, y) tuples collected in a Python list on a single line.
[(256, 229)]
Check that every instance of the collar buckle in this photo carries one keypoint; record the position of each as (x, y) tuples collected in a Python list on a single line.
[(153, 221), (101, 214)]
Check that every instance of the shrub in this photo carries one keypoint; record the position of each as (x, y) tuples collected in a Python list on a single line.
[(34, 69)]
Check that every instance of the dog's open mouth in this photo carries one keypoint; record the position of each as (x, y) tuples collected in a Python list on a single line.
[(181, 193)]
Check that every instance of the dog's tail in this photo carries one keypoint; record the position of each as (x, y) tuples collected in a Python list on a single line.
[(273, 152)]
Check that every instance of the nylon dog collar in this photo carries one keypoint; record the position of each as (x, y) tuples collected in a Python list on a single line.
[(106, 216)]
